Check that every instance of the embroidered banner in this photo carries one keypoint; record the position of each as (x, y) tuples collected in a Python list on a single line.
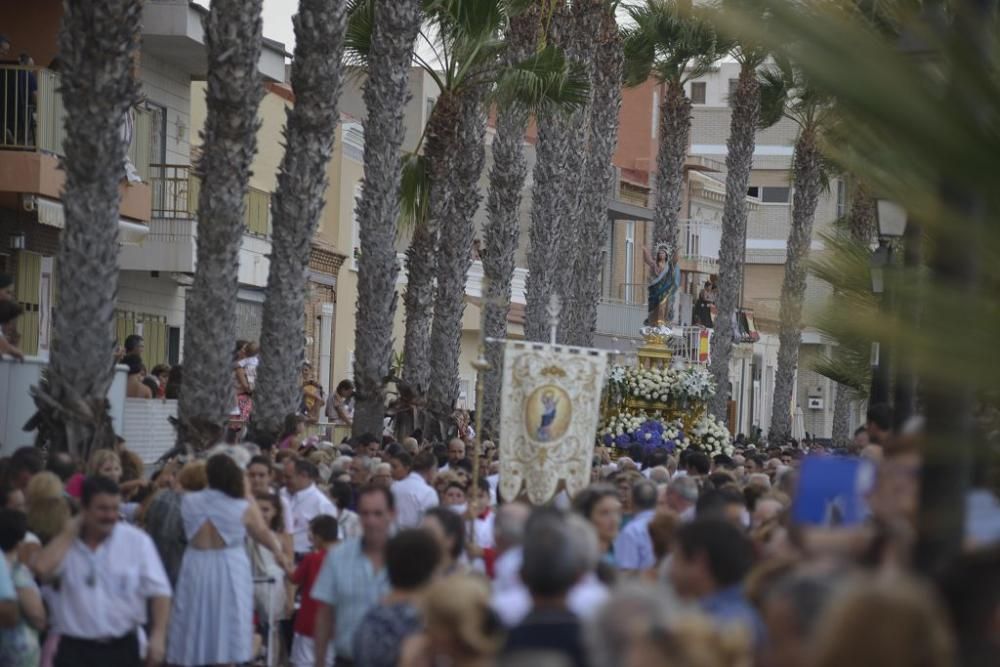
[(550, 408)]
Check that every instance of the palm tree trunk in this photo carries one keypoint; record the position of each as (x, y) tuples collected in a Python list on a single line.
[(235, 88), (98, 44), (842, 416), (503, 221), (302, 182), (560, 151), (421, 265), (739, 162), (386, 94), (599, 175), (675, 134), (455, 153), (807, 175)]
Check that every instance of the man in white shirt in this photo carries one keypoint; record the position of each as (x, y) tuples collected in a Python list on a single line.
[(306, 501), (634, 546), (107, 574), (413, 495), (456, 453)]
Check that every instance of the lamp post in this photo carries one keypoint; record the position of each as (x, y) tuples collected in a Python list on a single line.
[(891, 218)]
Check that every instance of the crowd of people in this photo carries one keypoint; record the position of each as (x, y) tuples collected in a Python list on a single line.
[(377, 553)]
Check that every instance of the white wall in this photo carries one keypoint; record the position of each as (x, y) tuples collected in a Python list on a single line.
[(138, 291), (170, 87)]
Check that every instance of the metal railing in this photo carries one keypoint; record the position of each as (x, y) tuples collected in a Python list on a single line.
[(172, 191), (700, 240), (619, 319), (32, 116), (691, 344), (256, 216)]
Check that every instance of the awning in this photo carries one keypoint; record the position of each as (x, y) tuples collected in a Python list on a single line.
[(51, 213)]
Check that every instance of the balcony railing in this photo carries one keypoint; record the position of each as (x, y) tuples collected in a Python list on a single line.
[(691, 345), (701, 240), (618, 319), (33, 116), (175, 195)]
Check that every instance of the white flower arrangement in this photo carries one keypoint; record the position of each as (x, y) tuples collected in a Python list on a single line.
[(662, 385), (712, 436)]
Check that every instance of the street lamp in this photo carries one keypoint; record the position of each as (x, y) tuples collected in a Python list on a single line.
[(891, 220)]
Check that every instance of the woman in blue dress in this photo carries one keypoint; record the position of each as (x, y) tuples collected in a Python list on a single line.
[(212, 618)]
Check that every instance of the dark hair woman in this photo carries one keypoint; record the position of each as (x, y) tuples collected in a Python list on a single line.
[(215, 586)]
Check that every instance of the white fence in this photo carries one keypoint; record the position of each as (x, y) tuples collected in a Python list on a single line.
[(147, 429)]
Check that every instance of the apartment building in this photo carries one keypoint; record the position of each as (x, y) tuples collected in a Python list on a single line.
[(770, 191), (157, 225)]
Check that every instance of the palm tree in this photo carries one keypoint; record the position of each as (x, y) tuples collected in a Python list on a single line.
[(235, 88), (860, 224), (744, 122), (675, 45), (923, 141), (559, 153), (598, 179), (316, 79), (503, 226), (392, 28), (98, 44), (786, 88), (466, 37)]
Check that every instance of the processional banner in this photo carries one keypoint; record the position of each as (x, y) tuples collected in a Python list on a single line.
[(549, 413)]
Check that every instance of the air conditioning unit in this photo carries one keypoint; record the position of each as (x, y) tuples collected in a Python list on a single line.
[(815, 403)]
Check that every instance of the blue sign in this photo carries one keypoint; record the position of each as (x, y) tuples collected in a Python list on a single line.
[(832, 490)]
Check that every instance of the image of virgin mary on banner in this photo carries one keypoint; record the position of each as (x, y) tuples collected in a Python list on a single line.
[(549, 413)]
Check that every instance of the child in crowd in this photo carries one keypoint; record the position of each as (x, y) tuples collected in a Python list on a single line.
[(323, 536)]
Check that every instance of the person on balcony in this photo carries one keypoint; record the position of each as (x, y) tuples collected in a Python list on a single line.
[(663, 287), (702, 314)]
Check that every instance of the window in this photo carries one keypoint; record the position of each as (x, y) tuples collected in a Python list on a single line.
[(733, 84), (698, 92), (775, 195), (753, 191)]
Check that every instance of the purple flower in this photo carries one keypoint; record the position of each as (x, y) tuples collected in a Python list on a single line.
[(608, 439)]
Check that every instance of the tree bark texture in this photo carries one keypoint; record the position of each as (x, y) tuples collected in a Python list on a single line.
[(386, 95), (455, 154), (558, 177), (98, 44), (842, 416), (421, 265), (592, 224), (675, 133), (739, 161), (503, 222), (317, 77), (235, 88), (807, 174), (861, 218)]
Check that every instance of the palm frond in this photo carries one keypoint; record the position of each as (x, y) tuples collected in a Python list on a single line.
[(358, 36), (415, 189), (546, 78)]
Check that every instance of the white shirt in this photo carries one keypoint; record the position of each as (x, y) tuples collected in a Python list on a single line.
[(512, 601), (125, 572), (413, 497), (308, 503), (484, 530)]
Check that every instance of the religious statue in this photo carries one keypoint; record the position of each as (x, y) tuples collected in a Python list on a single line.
[(663, 286)]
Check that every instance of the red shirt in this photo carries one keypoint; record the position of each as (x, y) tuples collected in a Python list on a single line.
[(304, 577)]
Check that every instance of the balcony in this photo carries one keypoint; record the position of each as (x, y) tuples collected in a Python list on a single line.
[(32, 132), (172, 31), (618, 319), (700, 242), (171, 245)]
